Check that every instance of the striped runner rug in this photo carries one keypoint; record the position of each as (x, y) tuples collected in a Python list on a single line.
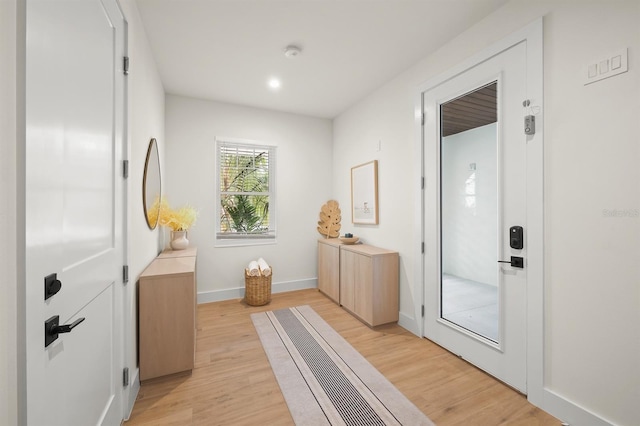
[(324, 380)]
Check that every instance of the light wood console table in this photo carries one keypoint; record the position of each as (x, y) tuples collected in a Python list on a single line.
[(167, 314)]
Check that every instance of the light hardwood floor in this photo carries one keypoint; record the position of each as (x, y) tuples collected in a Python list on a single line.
[(232, 383)]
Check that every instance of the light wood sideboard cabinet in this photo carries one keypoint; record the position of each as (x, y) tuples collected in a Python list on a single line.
[(167, 314), (369, 283), (329, 267)]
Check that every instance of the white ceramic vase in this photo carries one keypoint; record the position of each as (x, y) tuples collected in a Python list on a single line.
[(179, 240)]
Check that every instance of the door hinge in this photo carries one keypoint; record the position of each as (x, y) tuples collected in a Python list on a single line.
[(125, 169), (422, 183), (422, 247), (125, 376), (423, 118), (125, 274), (422, 311), (125, 65)]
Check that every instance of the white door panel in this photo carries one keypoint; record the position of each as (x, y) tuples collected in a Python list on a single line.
[(503, 353), (74, 209), (82, 353)]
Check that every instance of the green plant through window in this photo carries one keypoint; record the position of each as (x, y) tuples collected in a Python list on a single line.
[(244, 189)]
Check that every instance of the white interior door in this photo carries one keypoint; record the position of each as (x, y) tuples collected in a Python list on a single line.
[(74, 210), (475, 198)]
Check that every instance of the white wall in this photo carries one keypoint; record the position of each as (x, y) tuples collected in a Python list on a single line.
[(8, 191), (146, 121), (469, 233), (592, 236), (302, 186)]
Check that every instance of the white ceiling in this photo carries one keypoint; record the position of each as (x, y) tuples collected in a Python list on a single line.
[(226, 50)]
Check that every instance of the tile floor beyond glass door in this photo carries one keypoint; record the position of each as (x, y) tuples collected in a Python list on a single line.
[(471, 305)]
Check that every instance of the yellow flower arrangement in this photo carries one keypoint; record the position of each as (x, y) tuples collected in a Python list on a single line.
[(178, 220)]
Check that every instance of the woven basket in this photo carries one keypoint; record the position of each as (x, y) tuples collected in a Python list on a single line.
[(257, 290)]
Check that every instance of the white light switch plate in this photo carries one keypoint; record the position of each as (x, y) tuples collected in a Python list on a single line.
[(614, 64)]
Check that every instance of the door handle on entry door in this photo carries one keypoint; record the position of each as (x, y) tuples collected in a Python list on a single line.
[(52, 328), (516, 241), (516, 262)]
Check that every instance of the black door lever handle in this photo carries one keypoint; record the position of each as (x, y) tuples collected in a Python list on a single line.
[(52, 329), (516, 261), (67, 327)]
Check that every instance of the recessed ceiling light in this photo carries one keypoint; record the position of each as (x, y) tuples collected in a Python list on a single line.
[(274, 83), (292, 51)]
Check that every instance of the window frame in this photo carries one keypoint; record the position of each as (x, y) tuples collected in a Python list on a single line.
[(223, 239)]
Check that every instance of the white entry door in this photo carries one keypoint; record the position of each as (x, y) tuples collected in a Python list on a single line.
[(74, 212), (476, 216)]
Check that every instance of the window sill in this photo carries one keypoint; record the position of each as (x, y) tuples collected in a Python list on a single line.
[(239, 241)]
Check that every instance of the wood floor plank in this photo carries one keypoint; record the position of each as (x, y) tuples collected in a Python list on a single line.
[(233, 384)]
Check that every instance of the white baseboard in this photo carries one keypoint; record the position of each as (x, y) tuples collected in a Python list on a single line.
[(409, 323), (569, 412), (238, 292), (134, 388)]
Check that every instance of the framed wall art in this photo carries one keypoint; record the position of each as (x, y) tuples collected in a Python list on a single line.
[(364, 193)]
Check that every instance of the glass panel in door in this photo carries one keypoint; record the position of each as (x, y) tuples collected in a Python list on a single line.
[(469, 212)]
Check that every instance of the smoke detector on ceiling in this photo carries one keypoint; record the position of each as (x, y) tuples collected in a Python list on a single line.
[(292, 51)]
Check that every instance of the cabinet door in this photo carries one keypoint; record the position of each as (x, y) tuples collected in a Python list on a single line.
[(329, 270), (167, 325), (384, 300), (363, 288), (347, 279)]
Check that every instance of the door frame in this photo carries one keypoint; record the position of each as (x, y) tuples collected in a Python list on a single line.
[(532, 35)]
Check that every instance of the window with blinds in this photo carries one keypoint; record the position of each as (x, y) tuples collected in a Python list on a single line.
[(245, 191)]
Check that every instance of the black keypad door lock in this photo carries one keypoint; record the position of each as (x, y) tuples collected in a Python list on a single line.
[(51, 285), (516, 237), (52, 329)]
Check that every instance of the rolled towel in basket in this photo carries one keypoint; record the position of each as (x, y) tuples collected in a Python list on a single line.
[(254, 269), (264, 267)]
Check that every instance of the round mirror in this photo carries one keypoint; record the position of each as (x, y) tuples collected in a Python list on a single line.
[(151, 185)]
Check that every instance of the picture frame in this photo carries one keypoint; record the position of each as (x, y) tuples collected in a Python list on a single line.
[(364, 193)]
